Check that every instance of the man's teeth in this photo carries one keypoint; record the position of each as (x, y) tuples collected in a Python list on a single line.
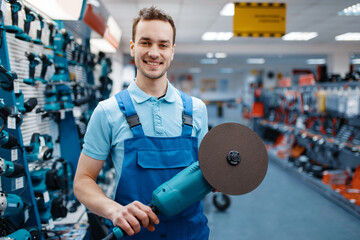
[(150, 63)]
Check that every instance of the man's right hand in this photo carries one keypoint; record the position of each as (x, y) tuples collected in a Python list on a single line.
[(129, 218)]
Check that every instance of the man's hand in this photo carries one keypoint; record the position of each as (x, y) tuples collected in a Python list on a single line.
[(129, 218)]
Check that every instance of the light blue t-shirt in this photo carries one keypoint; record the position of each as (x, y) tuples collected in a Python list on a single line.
[(107, 128)]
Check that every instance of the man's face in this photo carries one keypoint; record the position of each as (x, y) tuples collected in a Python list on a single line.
[(153, 48)]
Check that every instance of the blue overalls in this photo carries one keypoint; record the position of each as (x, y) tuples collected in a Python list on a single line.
[(149, 162)]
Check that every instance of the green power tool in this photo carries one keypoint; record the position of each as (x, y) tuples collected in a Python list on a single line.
[(232, 160)]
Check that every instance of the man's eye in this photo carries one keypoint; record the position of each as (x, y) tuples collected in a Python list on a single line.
[(144, 43), (164, 45)]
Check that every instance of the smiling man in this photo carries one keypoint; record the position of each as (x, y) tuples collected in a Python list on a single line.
[(152, 131)]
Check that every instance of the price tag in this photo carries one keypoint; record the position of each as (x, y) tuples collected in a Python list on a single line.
[(19, 183), (46, 197), (16, 87), (14, 154), (62, 114), (11, 122), (51, 224), (0, 185), (26, 215)]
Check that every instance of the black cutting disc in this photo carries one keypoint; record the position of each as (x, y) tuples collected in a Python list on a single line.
[(233, 158)]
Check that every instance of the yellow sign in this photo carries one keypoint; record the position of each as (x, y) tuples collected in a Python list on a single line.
[(259, 19)]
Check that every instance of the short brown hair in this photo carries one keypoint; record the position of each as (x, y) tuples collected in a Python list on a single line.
[(153, 13)]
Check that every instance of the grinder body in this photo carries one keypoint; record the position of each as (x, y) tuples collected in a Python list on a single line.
[(175, 195)]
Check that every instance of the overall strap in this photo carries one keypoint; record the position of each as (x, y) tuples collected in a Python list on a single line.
[(187, 119), (127, 107)]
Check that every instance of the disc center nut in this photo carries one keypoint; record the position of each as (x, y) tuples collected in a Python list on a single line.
[(233, 158)]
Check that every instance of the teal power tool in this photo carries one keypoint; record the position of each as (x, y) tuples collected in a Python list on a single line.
[(34, 60), (232, 160), (37, 40), (16, 6), (41, 147), (21, 234), (46, 62), (30, 17), (52, 31), (7, 79), (11, 169), (24, 106), (51, 99), (11, 111), (10, 204)]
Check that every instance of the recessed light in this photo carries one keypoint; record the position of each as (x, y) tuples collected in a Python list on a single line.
[(220, 55), (299, 36), (350, 36), (217, 36), (353, 10), (316, 61), (255, 61), (228, 10)]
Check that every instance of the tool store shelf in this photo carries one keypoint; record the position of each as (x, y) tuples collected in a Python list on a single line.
[(316, 184)]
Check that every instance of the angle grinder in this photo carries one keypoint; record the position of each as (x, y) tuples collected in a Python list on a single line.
[(232, 159)]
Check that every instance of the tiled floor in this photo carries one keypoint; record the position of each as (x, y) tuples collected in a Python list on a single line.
[(281, 208)]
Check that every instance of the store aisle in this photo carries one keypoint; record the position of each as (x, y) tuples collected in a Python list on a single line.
[(281, 208)]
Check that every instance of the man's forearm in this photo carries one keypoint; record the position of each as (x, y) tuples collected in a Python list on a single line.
[(90, 194)]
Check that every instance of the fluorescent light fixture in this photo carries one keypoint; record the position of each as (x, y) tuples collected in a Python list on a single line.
[(316, 61), (209, 61), (226, 70), (255, 61), (217, 36), (195, 70), (228, 10), (209, 55), (59, 10), (220, 55), (355, 61), (353, 10), (350, 36), (299, 36), (103, 45)]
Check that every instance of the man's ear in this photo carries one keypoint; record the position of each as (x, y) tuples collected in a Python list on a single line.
[(132, 51), (173, 52)]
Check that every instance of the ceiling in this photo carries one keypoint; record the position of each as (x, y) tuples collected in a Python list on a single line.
[(193, 18)]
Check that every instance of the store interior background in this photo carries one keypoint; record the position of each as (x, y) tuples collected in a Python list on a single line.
[(230, 79)]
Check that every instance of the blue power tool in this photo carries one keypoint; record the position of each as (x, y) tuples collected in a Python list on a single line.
[(11, 169), (7, 79), (10, 204), (30, 16), (15, 6), (232, 160)]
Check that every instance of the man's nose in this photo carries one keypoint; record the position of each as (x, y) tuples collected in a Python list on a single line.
[(154, 51)]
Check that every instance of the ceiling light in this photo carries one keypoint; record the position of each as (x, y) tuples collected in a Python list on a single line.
[(299, 36), (217, 36), (353, 10), (255, 61), (355, 61), (220, 55), (194, 70), (315, 61), (100, 44), (209, 55), (209, 61), (60, 10), (350, 36), (228, 10)]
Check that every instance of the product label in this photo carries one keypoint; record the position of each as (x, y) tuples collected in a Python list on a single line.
[(11, 122), (16, 87), (19, 183), (62, 114), (46, 197), (26, 215), (14, 154)]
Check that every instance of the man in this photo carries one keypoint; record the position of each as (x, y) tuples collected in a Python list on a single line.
[(149, 142)]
